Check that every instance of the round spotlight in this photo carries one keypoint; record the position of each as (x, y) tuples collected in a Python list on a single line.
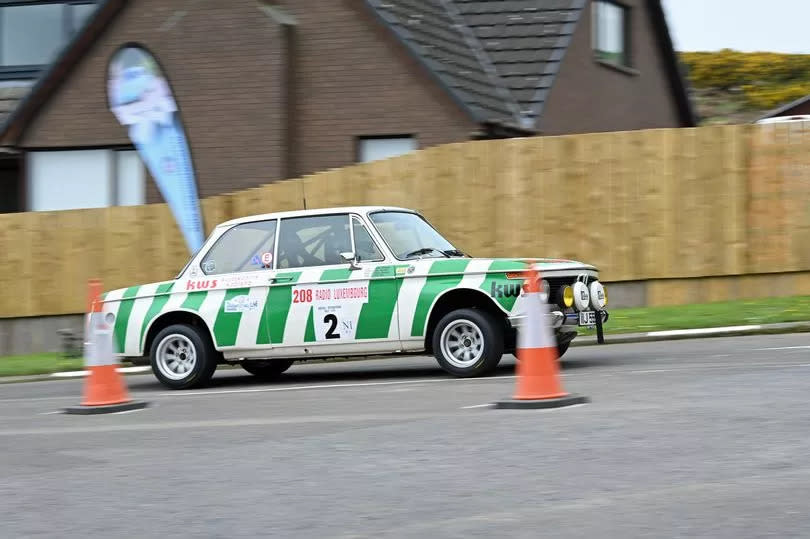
[(598, 296), (582, 297), (566, 296)]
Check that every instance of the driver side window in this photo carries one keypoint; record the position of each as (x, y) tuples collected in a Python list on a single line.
[(313, 241), (364, 246)]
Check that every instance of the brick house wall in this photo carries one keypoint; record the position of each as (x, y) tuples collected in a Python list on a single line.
[(226, 64), (624, 101)]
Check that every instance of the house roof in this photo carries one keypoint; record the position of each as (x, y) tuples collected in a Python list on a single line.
[(499, 58), (526, 41), (780, 111)]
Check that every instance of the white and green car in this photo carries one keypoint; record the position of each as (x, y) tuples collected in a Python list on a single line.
[(267, 290)]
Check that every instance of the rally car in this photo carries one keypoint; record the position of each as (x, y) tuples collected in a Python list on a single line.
[(267, 290)]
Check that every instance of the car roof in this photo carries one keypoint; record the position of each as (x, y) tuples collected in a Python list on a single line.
[(304, 213)]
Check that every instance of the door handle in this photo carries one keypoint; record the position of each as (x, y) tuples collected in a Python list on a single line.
[(281, 279)]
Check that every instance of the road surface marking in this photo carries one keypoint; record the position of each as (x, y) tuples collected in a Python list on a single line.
[(701, 331), (330, 386), (79, 374), (782, 348)]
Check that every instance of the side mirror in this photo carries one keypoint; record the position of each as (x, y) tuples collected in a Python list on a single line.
[(351, 258)]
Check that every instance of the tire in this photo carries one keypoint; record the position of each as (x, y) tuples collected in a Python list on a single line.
[(267, 369), (464, 357), (186, 340), (562, 347)]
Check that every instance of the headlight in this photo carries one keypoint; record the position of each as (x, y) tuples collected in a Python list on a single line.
[(598, 296), (566, 296), (582, 297)]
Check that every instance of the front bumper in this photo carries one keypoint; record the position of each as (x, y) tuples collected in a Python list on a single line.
[(560, 321)]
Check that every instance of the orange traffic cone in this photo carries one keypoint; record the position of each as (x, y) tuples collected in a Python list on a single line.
[(538, 377), (104, 389)]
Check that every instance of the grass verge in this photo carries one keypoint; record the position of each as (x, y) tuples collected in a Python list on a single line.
[(38, 364), (640, 320), (707, 315)]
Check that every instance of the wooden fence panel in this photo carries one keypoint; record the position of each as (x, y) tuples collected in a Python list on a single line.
[(664, 203)]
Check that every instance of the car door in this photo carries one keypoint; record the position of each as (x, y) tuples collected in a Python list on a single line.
[(232, 292), (323, 305)]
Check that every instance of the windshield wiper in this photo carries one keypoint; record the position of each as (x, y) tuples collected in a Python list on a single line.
[(424, 251), (454, 252)]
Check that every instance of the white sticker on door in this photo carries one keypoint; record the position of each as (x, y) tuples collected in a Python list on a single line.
[(335, 308)]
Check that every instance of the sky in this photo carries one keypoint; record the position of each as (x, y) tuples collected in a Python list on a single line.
[(744, 25)]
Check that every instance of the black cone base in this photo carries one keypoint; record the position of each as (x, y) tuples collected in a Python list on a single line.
[(535, 404), (105, 409)]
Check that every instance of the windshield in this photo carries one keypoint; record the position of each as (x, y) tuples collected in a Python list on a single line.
[(410, 236)]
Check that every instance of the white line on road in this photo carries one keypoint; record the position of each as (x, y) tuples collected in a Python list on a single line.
[(702, 331), (331, 386), (782, 348), (79, 374)]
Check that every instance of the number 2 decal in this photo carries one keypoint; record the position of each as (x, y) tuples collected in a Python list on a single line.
[(332, 320)]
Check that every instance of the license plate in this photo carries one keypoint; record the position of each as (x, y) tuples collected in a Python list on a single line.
[(587, 318)]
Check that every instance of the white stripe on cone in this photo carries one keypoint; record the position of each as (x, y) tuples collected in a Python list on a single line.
[(535, 332)]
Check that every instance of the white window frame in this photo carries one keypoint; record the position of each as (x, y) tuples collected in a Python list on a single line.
[(362, 140), (626, 60), (112, 156)]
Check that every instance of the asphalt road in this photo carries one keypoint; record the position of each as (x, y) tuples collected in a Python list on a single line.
[(701, 438)]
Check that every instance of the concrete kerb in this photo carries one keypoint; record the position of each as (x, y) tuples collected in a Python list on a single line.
[(701, 333), (620, 338)]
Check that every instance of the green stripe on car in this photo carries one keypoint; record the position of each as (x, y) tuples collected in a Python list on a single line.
[(158, 303), (277, 310), (194, 300), (496, 280), (122, 320), (339, 274), (435, 286), (375, 316), (309, 334), (226, 324)]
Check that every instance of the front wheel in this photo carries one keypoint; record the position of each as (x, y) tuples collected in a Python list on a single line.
[(267, 369), (182, 357), (468, 342), (562, 346)]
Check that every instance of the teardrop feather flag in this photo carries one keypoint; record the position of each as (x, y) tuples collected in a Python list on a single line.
[(140, 98)]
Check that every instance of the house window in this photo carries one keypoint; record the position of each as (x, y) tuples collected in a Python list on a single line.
[(33, 33), (74, 179), (611, 41), (375, 148)]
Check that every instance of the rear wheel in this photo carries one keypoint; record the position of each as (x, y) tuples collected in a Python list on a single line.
[(267, 369), (468, 342), (182, 357)]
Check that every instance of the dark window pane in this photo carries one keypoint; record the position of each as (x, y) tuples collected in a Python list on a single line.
[(80, 13), (313, 241), (31, 35)]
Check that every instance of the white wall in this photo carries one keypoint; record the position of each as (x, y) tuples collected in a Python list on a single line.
[(74, 179)]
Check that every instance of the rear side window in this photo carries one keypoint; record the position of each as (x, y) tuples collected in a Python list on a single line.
[(241, 249), (313, 241)]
